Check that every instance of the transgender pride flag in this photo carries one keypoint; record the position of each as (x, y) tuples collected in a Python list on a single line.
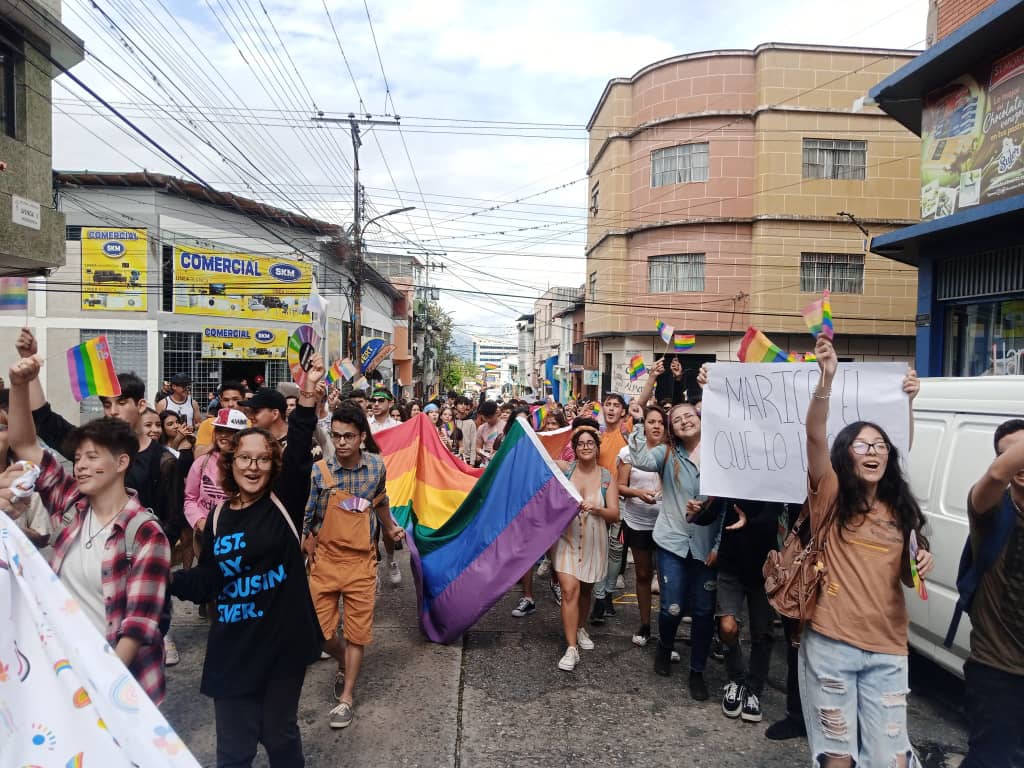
[(514, 513)]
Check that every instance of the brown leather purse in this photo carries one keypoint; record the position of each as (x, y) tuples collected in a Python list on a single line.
[(793, 574)]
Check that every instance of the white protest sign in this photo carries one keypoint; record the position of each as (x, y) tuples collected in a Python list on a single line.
[(753, 441)]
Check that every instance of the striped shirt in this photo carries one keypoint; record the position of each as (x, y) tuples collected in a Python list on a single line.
[(134, 588), (367, 480)]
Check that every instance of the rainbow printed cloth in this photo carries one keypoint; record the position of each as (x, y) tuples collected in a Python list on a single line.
[(68, 700), (516, 511), (636, 367), (757, 348), (91, 370), (683, 341), (818, 316), (14, 293), (426, 482), (664, 330)]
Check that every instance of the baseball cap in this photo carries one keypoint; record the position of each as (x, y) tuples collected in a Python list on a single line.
[(229, 418), (266, 398), (181, 380)]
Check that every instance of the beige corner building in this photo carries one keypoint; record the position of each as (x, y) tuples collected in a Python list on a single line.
[(730, 188)]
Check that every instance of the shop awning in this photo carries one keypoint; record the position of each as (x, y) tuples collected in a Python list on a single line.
[(997, 28), (971, 230)]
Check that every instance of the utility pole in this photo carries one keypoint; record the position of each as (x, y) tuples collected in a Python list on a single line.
[(354, 123)]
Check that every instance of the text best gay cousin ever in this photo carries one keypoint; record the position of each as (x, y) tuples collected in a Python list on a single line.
[(753, 440)]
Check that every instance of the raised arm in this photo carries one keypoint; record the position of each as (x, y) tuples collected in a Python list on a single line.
[(21, 430), (642, 457), (818, 462), (987, 492), (652, 381), (911, 386)]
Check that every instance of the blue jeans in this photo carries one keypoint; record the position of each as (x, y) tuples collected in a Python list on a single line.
[(992, 699), (854, 701), (687, 587)]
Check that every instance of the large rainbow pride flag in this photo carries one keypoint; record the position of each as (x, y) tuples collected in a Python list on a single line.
[(426, 481), (465, 559)]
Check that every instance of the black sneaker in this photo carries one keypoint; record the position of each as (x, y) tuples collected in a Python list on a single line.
[(524, 607), (597, 614), (732, 701), (698, 688), (662, 660), (785, 729), (751, 707), (609, 606)]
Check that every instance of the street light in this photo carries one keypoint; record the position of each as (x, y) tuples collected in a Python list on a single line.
[(390, 213)]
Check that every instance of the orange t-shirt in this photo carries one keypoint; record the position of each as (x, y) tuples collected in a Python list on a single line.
[(861, 600), (613, 441)]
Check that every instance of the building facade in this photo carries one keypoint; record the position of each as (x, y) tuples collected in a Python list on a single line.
[(34, 48), (526, 378), (184, 280), (963, 97), (548, 337), (492, 351), (729, 189)]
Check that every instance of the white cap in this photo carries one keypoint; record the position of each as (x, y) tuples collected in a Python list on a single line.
[(230, 418)]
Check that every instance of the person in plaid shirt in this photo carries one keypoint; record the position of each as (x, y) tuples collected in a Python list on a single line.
[(121, 586)]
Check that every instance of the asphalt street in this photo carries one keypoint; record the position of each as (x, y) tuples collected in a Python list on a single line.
[(497, 699)]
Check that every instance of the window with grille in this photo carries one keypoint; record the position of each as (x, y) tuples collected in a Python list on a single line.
[(835, 272), (679, 165), (594, 194), (592, 287), (127, 350), (835, 159), (182, 353), (676, 273)]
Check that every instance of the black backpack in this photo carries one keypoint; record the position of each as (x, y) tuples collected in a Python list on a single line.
[(971, 570)]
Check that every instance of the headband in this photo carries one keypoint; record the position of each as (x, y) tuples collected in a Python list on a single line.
[(586, 428)]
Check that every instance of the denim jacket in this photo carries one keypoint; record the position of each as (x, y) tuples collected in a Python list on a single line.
[(680, 482)]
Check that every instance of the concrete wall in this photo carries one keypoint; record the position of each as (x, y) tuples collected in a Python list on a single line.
[(28, 174)]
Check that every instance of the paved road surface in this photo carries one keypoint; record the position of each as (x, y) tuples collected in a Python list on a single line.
[(497, 699)]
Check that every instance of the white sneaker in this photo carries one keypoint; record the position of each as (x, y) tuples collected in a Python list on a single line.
[(544, 568), (583, 640), (655, 586), (324, 655), (675, 657), (569, 661), (171, 656), (620, 583), (394, 574)]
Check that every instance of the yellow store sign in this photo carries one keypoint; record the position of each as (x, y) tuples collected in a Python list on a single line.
[(114, 275), (240, 285), (245, 343)]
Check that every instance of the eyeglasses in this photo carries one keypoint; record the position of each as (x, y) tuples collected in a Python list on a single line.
[(586, 444), (243, 461), (344, 437), (861, 447)]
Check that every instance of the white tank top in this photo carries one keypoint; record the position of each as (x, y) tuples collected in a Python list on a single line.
[(185, 411)]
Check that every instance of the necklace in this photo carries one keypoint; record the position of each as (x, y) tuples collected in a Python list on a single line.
[(89, 533)]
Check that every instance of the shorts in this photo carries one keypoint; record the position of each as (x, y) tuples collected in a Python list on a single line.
[(733, 593), (641, 540), (354, 580)]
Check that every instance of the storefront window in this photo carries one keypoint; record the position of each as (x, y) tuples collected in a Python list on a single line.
[(985, 339)]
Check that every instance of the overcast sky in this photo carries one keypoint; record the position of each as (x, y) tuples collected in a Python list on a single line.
[(229, 87)]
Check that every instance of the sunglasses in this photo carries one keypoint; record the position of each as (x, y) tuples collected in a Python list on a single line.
[(379, 400)]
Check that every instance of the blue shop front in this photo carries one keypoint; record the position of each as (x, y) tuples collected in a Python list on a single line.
[(965, 98)]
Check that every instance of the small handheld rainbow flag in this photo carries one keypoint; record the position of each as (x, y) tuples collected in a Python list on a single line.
[(14, 293), (593, 410), (818, 316), (537, 417), (334, 376), (683, 341), (636, 367), (757, 348), (91, 370), (664, 330)]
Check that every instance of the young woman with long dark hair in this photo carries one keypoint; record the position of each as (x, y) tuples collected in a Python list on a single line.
[(853, 655)]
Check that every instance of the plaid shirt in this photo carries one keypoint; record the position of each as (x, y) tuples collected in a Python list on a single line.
[(367, 480), (134, 589)]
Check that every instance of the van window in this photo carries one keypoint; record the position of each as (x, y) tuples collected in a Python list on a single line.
[(970, 454)]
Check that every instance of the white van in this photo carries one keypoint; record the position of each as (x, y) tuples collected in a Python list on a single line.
[(954, 422)]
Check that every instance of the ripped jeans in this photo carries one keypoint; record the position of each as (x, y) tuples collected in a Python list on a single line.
[(688, 587), (855, 703)]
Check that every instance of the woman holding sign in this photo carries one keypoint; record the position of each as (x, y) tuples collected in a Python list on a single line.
[(853, 655), (687, 546)]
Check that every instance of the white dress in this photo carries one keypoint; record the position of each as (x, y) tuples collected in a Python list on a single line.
[(582, 549)]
